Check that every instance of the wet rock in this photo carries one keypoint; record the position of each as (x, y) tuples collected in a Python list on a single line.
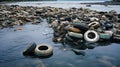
[(36, 21), (20, 28), (54, 24), (88, 5)]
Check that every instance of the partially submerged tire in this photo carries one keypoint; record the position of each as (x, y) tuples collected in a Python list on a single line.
[(68, 38), (91, 36), (76, 35), (43, 50), (109, 32), (30, 49), (105, 36), (116, 36)]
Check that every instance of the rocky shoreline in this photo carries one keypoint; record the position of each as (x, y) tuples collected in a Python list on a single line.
[(19, 15), (70, 23)]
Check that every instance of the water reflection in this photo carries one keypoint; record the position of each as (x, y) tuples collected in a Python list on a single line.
[(79, 47)]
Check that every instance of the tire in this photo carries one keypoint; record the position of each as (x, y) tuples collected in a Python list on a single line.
[(43, 50), (94, 24), (76, 35), (93, 39), (68, 38), (30, 49), (74, 29), (116, 36), (80, 26), (108, 25), (109, 32), (94, 19), (105, 36)]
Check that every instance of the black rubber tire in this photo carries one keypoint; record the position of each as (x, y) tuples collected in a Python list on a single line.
[(81, 26), (105, 36), (116, 36), (108, 25), (43, 50), (76, 35), (30, 49), (68, 38)]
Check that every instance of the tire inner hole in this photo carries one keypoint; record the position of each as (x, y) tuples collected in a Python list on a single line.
[(91, 35), (43, 48)]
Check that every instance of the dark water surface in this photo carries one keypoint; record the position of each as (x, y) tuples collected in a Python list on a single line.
[(14, 42)]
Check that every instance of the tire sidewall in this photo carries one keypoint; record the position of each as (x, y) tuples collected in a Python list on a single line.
[(95, 39), (43, 53)]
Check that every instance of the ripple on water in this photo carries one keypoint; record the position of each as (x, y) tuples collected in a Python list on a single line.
[(61, 64), (24, 63)]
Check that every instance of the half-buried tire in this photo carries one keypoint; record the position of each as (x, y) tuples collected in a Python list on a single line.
[(91, 36), (30, 49), (81, 27), (76, 35), (43, 50)]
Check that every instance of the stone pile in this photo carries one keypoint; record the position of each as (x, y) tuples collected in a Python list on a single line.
[(16, 15), (73, 24)]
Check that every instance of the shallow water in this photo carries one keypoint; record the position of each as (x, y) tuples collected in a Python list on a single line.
[(68, 4), (14, 42)]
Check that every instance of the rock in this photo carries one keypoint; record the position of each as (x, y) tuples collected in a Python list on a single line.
[(54, 23), (4, 24), (88, 5), (1, 27), (20, 28), (112, 12), (36, 21)]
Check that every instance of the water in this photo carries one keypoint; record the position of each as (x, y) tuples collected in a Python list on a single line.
[(68, 4), (14, 42)]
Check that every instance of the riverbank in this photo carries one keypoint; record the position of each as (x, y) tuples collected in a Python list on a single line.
[(19, 15)]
